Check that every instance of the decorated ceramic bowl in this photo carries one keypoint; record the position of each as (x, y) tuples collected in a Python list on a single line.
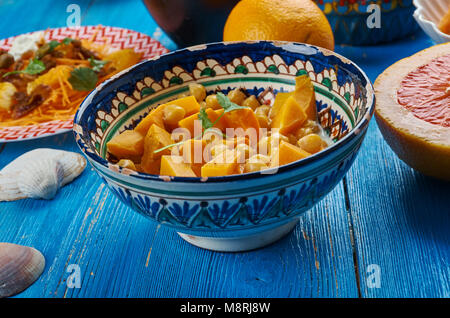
[(239, 212), (349, 20)]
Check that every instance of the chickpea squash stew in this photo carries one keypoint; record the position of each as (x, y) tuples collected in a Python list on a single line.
[(209, 135)]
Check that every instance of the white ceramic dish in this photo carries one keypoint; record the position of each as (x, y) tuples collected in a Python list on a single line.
[(428, 14)]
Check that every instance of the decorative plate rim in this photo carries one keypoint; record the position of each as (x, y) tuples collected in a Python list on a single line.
[(9, 134), (359, 129)]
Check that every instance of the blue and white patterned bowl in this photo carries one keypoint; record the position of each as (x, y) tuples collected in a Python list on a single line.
[(241, 212)]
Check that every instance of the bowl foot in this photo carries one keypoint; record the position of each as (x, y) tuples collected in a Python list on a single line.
[(241, 243)]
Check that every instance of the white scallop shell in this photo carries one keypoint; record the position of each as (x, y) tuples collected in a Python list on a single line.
[(429, 14), (39, 174)]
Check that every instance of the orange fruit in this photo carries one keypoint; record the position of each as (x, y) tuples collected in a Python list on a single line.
[(413, 110), (279, 20)]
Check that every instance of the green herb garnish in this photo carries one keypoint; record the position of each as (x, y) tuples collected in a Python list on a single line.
[(206, 122), (227, 106), (50, 46), (67, 41), (83, 79), (97, 65), (34, 67)]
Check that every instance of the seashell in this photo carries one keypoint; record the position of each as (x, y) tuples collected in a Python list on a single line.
[(20, 266), (39, 174)]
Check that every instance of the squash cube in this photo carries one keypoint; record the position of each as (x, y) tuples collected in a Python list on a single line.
[(154, 117), (304, 94), (242, 118), (192, 151), (290, 117), (224, 164), (155, 139), (189, 122), (287, 153), (175, 167), (189, 103), (127, 145), (280, 99)]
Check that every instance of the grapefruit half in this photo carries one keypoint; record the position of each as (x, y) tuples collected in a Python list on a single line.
[(413, 110)]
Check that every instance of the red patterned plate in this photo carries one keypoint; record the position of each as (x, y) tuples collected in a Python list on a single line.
[(116, 37)]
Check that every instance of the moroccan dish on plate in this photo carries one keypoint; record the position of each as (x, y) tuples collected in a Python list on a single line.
[(45, 75)]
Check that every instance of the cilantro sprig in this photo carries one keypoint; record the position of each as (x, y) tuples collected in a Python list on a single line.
[(86, 78), (83, 79), (50, 46), (207, 124), (97, 65), (34, 67)]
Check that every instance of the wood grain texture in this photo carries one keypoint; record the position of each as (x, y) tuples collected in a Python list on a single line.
[(402, 222), (400, 218), (122, 254), (383, 214)]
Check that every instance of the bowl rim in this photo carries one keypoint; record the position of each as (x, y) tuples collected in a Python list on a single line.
[(359, 129)]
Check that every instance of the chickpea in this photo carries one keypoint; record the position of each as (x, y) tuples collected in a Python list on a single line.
[(268, 143), (302, 132), (277, 137), (198, 91), (125, 163), (311, 143), (183, 95), (218, 149), (245, 149), (212, 102), (172, 114), (312, 125), (263, 110), (233, 142), (236, 96), (254, 167), (292, 139), (259, 158), (256, 163), (251, 102), (262, 120)]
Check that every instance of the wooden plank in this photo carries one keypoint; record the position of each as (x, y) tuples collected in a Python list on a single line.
[(400, 218), (401, 221), (32, 15), (122, 254), (402, 228)]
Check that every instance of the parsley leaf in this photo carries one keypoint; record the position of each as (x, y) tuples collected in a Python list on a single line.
[(83, 79), (206, 122), (67, 41), (52, 45), (227, 104), (34, 67), (97, 65)]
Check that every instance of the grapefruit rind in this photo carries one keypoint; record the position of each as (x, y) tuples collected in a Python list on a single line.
[(422, 145)]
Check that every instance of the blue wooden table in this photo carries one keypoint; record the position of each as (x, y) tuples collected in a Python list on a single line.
[(382, 232)]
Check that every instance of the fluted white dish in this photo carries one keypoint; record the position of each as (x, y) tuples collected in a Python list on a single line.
[(428, 14)]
